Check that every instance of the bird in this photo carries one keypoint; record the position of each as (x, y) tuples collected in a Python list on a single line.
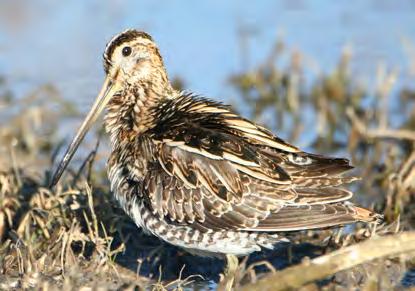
[(196, 174)]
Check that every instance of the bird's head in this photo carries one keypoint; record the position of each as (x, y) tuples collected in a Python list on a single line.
[(131, 59)]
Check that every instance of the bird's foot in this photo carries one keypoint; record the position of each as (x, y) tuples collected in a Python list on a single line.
[(228, 279)]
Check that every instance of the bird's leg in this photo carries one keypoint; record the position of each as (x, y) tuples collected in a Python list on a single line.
[(230, 271)]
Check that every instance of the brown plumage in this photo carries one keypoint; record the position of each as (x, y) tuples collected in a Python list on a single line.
[(196, 174)]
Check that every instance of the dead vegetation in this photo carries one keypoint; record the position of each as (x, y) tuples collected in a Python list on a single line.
[(76, 237)]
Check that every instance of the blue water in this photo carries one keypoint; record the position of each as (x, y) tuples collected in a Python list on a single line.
[(61, 42)]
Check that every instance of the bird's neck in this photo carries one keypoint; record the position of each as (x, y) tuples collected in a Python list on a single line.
[(130, 113)]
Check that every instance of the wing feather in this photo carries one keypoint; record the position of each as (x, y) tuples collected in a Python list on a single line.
[(216, 170), (292, 218)]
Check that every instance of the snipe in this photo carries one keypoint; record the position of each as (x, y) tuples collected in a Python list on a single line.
[(194, 173)]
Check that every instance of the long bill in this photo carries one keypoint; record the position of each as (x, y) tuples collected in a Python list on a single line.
[(109, 88)]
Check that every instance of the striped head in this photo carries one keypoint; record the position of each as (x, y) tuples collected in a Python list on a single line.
[(133, 66), (132, 56)]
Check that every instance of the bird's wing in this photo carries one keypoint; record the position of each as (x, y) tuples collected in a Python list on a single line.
[(218, 171)]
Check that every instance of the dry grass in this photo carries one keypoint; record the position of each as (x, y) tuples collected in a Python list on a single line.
[(349, 120), (76, 237)]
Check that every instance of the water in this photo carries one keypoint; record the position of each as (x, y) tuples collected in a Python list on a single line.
[(49, 42)]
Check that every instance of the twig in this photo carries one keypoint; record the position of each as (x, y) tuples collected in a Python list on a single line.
[(407, 173), (380, 133), (401, 185), (88, 162), (346, 258)]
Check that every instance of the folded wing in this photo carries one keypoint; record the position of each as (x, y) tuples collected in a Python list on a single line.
[(218, 171)]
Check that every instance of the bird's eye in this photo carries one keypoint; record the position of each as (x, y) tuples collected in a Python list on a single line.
[(126, 51)]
